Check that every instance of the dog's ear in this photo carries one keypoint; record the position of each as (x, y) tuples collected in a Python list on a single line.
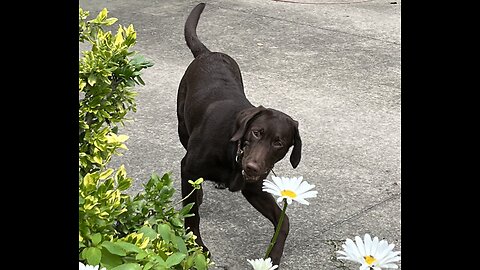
[(296, 154), (244, 118)]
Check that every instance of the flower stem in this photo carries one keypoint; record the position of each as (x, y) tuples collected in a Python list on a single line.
[(277, 230), (189, 194)]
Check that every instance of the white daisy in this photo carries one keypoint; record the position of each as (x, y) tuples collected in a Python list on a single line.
[(290, 189), (82, 266), (262, 264), (372, 254)]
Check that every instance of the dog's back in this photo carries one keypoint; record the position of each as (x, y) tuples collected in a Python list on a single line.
[(214, 81)]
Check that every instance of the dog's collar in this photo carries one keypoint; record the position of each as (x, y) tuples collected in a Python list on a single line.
[(239, 155)]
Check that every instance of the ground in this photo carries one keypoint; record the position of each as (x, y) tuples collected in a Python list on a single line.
[(332, 65)]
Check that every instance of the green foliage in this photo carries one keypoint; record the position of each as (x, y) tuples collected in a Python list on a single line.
[(116, 231), (107, 74)]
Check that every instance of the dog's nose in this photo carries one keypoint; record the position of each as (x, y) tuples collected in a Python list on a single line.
[(252, 168)]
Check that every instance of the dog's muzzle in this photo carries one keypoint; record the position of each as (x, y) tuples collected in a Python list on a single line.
[(252, 179)]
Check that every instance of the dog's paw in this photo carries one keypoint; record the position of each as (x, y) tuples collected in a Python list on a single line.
[(220, 186)]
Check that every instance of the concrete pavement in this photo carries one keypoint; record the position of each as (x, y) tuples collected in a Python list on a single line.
[(333, 65)]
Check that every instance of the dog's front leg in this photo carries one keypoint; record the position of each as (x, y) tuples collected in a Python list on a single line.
[(266, 204), (192, 223)]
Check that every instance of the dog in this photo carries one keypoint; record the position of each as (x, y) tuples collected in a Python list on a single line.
[(227, 139)]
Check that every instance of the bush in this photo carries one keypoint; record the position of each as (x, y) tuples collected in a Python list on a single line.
[(117, 231)]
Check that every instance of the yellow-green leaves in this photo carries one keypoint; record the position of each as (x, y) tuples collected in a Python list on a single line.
[(114, 138), (89, 181), (119, 37), (101, 18), (197, 184), (116, 230), (107, 74), (92, 79), (106, 174)]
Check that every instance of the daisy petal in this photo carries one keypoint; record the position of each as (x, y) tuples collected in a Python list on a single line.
[(303, 187), (352, 249), (390, 265), (373, 250), (364, 267), (309, 194), (269, 184), (296, 183), (382, 246), (272, 191), (368, 244), (302, 201), (277, 181), (291, 189), (360, 245)]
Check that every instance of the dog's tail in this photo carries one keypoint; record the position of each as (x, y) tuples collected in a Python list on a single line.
[(195, 45)]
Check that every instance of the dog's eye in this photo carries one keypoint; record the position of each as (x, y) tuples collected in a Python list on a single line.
[(256, 133)]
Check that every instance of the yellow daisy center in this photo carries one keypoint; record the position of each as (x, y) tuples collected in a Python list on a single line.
[(369, 259), (288, 193)]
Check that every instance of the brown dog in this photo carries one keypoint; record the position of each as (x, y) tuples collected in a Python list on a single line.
[(228, 140)]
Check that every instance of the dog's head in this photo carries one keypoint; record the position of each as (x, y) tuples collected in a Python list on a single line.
[(265, 137)]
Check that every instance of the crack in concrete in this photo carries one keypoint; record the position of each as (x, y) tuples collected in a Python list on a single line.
[(355, 215), (334, 246)]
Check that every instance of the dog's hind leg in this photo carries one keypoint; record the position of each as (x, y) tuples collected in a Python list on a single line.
[(182, 129)]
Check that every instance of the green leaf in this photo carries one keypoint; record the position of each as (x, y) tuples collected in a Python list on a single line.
[(148, 232), (128, 266), (88, 180), (198, 181), (81, 84), (110, 21), (200, 262), (129, 247), (164, 231), (148, 265), (186, 209), (180, 244), (175, 259), (114, 248), (93, 255), (175, 221), (97, 159), (159, 260), (102, 15), (110, 260), (124, 183), (189, 261), (106, 174), (92, 79), (141, 255), (96, 238)]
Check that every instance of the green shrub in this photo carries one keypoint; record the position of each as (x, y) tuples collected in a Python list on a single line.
[(117, 231)]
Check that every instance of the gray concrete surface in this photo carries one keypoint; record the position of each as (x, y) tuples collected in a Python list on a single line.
[(333, 65)]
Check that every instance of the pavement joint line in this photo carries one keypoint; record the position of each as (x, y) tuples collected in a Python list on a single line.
[(323, 3), (355, 215), (309, 25)]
